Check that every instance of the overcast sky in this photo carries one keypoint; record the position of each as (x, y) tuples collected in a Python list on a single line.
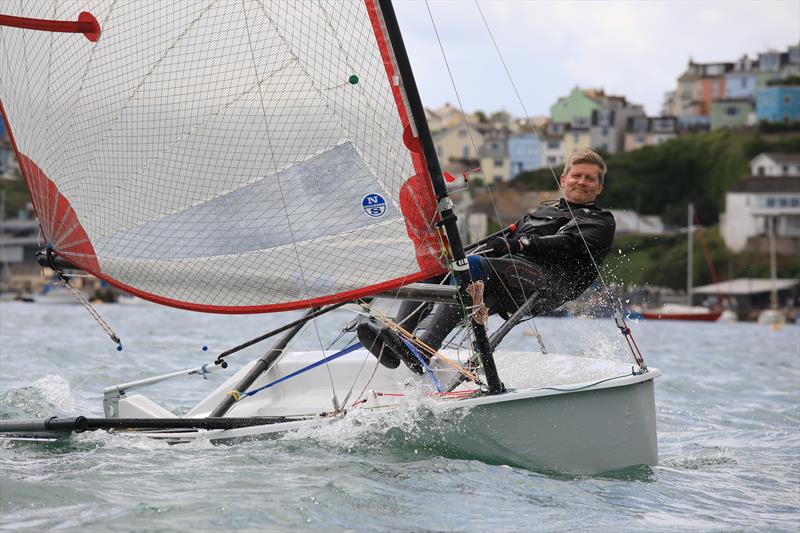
[(635, 48)]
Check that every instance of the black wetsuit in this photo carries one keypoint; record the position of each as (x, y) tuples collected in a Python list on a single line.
[(555, 266)]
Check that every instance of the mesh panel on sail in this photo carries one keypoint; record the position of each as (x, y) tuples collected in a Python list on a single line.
[(219, 155)]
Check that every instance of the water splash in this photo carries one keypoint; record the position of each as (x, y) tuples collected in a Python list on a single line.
[(47, 396)]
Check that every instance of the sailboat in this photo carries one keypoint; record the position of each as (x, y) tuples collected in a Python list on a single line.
[(257, 157), (772, 316), (688, 311)]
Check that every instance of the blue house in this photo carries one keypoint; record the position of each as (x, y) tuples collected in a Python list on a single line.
[(778, 103), (524, 153)]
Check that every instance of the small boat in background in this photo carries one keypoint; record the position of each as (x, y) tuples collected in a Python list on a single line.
[(683, 312), (687, 311)]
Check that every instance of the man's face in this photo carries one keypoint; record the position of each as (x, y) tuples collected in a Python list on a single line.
[(582, 184)]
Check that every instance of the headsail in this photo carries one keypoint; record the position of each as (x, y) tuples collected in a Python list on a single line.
[(222, 156)]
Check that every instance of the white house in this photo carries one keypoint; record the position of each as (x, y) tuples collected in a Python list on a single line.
[(775, 165), (771, 192)]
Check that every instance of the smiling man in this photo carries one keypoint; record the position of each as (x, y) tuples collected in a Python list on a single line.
[(554, 254)]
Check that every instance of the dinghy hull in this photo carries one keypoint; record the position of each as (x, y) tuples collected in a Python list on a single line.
[(582, 416), (582, 432)]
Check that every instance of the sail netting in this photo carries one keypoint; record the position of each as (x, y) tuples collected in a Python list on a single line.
[(221, 155)]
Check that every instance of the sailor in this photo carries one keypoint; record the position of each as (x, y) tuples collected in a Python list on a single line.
[(554, 253)]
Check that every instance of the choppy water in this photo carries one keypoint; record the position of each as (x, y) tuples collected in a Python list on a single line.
[(728, 424)]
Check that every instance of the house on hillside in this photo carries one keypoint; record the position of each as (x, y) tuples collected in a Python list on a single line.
[(608, 123), (776, 165), (524, 153), (494, 158), (779, 103), (553, 151), (577, 104), (732, 113), (649, 131), (577, 139), (459, 143), (769, 195)]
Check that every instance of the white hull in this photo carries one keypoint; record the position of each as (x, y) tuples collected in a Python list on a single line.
[(584, 416)]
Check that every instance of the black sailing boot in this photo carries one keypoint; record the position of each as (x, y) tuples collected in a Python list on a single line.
[(387, 345)]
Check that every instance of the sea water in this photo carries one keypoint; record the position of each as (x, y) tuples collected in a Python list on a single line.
[(728, 415)]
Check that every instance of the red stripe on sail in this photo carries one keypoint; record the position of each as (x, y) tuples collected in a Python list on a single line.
[(417, 201), (60, 225), (57, 220)]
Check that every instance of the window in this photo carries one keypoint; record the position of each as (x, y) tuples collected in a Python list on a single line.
[(783, 202), (794, 202), (462, 133), (605, 130), (495, 146), (785, 169), (731, 111), (498, 178), (770, 202), (760, 171), (498, 162), (787, 100), (553, 145), (551, 159), (466, 151), (744, 83)]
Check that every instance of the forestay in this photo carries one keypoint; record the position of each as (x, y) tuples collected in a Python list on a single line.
[(221, 156)]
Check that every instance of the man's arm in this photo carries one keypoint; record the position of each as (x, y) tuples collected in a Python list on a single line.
[(596, 227)]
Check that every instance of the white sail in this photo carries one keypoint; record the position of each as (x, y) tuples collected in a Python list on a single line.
[(221, 156)]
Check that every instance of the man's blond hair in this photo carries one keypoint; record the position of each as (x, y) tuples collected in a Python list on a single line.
[(586, 157)]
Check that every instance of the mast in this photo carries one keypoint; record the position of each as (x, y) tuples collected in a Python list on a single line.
[(773, 265), (445, 204), (689, 254)]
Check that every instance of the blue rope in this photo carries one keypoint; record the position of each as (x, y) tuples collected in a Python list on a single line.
[(328, 359), (439, 387)]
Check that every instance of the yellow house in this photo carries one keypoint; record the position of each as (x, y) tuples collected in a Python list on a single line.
[(456, 143), (576, 139)]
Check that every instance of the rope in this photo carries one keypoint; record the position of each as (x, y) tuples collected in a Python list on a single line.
[(237, 395), (386, 321), (421, 359), (92, 311)]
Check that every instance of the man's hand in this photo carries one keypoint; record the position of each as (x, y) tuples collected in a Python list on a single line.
[(500, 246)]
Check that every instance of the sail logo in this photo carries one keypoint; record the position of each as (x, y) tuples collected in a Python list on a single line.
[(374, 205)]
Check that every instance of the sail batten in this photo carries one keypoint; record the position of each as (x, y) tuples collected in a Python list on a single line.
[(222, 157)]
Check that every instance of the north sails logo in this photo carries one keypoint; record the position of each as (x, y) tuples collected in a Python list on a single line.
[(374, 205)]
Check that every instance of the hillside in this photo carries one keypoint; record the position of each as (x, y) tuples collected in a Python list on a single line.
[(661, 261)]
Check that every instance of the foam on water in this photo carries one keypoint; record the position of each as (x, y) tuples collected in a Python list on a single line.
[(44, 397)]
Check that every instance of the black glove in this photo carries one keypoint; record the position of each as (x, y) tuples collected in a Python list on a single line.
[(500, 246)]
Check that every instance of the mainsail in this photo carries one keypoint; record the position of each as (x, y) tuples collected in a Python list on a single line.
[(221, 156)]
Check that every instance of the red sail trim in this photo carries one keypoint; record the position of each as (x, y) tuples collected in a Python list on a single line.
[(86, 24), (57, 219), (270, 308), (417, 201), (59, 223)]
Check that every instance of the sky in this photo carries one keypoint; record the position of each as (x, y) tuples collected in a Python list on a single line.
[(635, 49)]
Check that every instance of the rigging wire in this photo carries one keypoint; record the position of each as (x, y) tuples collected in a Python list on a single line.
[(532, 322), (606, 289)]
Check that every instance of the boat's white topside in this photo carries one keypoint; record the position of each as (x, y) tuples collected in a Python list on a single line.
[(527, 374)]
